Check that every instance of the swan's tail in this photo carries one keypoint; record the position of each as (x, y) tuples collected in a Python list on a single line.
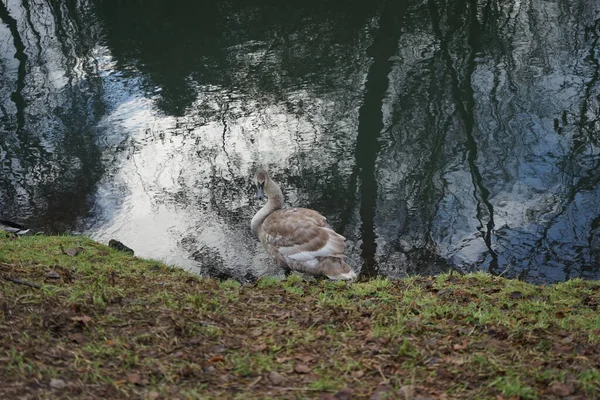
[(337, 269)]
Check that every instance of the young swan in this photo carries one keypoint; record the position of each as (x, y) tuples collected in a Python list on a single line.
[(298, 239)]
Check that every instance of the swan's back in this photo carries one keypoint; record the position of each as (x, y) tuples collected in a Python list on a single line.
[(300, 239)]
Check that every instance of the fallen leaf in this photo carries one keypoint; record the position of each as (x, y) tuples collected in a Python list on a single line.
[(276, 378), (254, 382), (57, 384), (382, 391), (562, 389), (281, 360), (217, 358), (327, 396), (406, 392), (344, 394), (462, 346), (83, 319), (561, 349), (568, 339), (357, 374), (153, 395), (304, 357), (302, 369), (136, 379), (73, 251), (186, 371), (133, 378), (78, 338), (457, 361), (259, 347), (219, 349), (178, 354)]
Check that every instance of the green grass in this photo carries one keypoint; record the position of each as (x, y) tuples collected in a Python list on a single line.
[(116, 326)]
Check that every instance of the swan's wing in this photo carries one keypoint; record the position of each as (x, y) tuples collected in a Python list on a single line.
[(301, 234)]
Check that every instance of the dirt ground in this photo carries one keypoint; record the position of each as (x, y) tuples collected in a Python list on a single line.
[(80, 320)]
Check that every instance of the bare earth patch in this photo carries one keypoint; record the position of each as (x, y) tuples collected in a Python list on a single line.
[(80, 320)]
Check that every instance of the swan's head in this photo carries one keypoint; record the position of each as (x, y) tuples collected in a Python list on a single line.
[(261, 179)]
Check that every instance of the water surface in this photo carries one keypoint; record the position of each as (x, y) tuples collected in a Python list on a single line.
[(432, 134)]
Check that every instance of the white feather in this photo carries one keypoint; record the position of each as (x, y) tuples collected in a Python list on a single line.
[(347, 276)]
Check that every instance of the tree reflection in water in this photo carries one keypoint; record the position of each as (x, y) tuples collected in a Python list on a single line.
[(432, 134)]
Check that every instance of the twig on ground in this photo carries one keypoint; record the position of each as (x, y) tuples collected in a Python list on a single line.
[(255, 381), (20, 282)]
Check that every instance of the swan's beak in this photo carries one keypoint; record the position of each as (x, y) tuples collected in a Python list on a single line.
[(260, 193)]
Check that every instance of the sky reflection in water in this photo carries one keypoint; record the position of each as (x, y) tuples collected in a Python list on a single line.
[(431, 134)]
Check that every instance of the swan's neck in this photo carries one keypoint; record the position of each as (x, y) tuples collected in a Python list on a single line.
[(273, 192)]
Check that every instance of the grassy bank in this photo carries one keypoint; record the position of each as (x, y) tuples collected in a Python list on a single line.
[(80, 320)]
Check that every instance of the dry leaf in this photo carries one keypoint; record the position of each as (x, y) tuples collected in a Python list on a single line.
[(562, 389), (133, 378), (302, 369), (83, 319), (78, 338), (327, 396), (153, 395), (344, 394), (57, 384), (406, 392), (358, 374), (217, 358), (516, 295), (276, 378), (304, 357), (259, 347), (72, 251), (462, 346), (136, 379)]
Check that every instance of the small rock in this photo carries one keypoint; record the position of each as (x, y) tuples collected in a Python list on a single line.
[(115, 244), (53, 275), (276, 378), (57, 384)]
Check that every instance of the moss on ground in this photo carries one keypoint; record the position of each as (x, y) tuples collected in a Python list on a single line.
[(98, 323)]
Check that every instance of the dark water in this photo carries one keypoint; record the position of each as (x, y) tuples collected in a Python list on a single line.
[(432, 134)]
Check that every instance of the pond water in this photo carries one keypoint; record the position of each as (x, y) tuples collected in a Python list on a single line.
[(432, 134)]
